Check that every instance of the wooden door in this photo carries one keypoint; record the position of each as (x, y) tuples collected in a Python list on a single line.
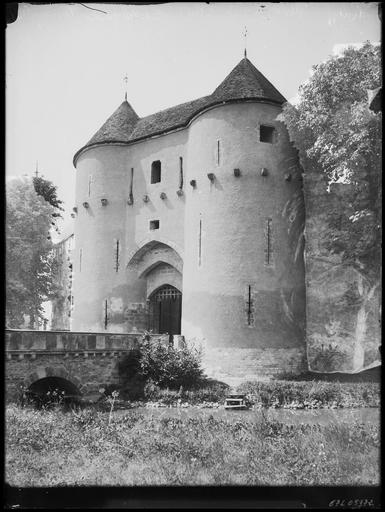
[(166, 306)]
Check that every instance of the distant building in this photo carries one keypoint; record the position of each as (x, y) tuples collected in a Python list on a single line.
[(62, 305)]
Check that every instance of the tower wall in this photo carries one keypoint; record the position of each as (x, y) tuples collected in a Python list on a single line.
[(105, 172), (168, 149), (243, 279), (102, 173)]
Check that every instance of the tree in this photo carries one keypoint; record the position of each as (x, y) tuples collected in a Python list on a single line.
[(47, 189), (339, 137), (339, 142), (30, 263)]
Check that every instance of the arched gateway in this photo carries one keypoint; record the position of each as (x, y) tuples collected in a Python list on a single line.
[(160, 267)]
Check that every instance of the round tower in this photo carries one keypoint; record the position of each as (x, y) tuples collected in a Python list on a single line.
[(103, 177), (243, 282)]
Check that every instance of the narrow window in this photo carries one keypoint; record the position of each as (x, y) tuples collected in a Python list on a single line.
[(131, 185), (105, 315), (180, 172), (156, 171), (89, 184), (80, 259), (267, 134), (154, 224), (200, 243), (269, 242), (218, 152), (117, 254), (249, 303)]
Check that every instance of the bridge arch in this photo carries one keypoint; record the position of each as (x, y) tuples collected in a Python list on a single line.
[(47, 377)]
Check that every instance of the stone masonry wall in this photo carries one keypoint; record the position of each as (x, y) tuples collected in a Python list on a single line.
[(236, 365), (92, 371)]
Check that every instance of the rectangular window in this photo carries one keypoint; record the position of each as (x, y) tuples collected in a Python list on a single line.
[(268, 242), (154, 224), (267, 134), (156, 168)]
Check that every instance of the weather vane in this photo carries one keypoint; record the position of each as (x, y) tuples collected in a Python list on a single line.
[(125, 80), (245, 36)]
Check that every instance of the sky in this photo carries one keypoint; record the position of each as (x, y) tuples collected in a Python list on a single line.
[(66, 63)]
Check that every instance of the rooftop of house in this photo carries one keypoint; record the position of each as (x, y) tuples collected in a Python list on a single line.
[(125, 126)]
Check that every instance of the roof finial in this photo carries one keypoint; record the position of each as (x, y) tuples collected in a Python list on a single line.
[(37, 169), (245, 36), (125, 80)]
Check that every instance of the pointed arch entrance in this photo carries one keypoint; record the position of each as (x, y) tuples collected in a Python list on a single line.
[(165, 310)]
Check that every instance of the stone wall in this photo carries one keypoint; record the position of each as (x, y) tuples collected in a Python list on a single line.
[(236, 365), (88, 372)]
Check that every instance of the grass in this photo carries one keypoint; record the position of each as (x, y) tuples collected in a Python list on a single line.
[(312, 394), (53, 448)]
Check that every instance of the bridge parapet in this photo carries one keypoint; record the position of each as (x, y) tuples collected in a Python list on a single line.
[(30, 341)]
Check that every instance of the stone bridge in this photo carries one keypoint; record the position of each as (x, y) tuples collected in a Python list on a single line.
[(77, 362)]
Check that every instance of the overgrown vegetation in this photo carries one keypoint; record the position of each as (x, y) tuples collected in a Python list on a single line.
[(51, 448), (313, 394)]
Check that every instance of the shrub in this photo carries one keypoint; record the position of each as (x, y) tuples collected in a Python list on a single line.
[(169, 367), (155, 364)]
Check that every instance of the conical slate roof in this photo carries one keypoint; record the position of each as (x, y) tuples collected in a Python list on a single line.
[(245, 81), (118, 127), (124, 126)]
